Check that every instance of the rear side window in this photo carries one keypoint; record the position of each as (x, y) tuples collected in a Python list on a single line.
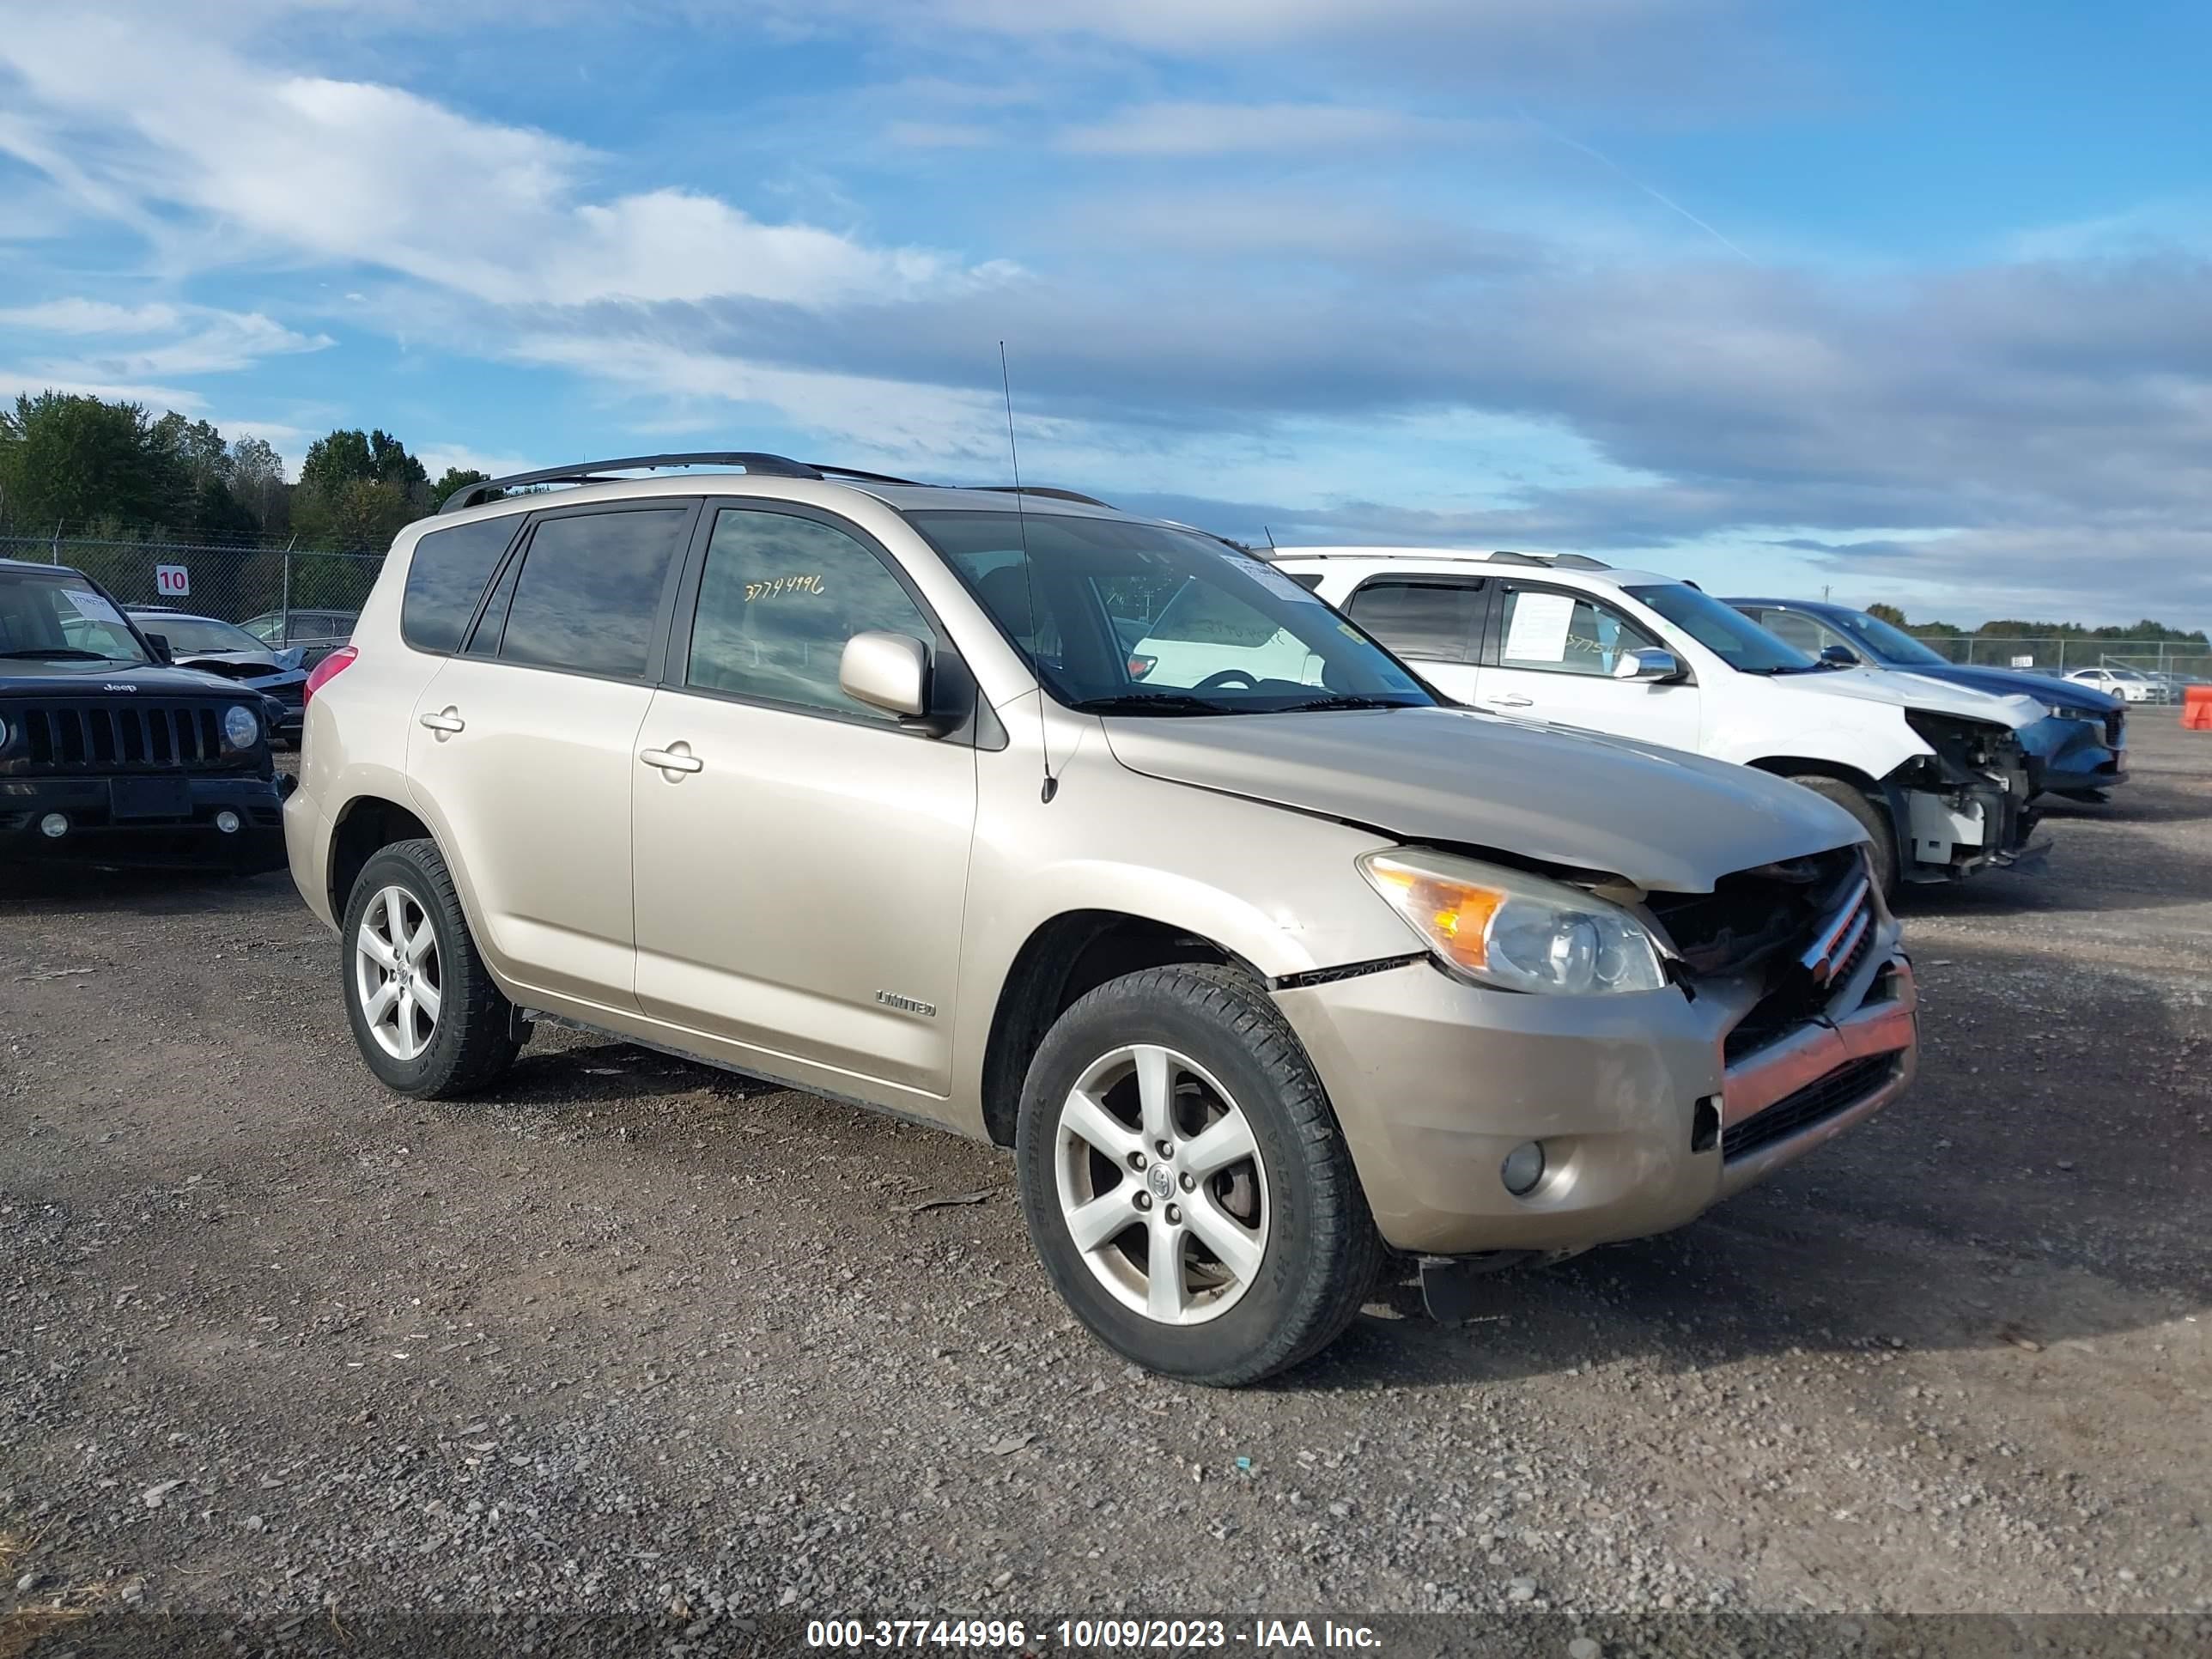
[(1432, 622), (444, 579), (590, 591)]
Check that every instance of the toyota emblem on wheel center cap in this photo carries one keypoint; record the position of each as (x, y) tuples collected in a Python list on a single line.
[(1162, 1180)]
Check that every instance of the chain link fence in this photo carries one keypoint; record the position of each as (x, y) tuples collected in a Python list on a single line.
[(2184, 659), (233, 584)]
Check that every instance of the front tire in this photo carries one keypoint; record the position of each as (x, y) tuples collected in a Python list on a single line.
[(428, 1017), (1185, 1183), (1880, 831)]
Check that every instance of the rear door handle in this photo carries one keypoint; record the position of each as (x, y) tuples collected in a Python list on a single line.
[(1513, 700), (676, 758), (446, 722)]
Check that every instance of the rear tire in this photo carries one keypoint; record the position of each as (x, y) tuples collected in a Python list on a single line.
[(428, 1019), (1876, 820), (1199, 1058)]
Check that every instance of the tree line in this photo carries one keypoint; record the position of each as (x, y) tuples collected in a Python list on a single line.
[(2011, 628), (110, 470)]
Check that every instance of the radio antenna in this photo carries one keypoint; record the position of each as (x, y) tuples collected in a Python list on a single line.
[(1051, 785), (1270, 535)]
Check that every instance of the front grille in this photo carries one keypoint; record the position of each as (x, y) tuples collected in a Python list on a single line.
[(1752, 915), (1815, 1103), (1820, 935), (120, 736), (2116, 729)]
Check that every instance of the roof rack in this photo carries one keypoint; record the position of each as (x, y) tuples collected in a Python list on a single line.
[(1549, 560), (583, 472), (854, 472), (771, 466), (1043, 489)]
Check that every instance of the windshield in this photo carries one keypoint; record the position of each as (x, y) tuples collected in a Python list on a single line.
[(1142, 619), (1890, 644), (195, 636), (1723, 629), (61, 619)]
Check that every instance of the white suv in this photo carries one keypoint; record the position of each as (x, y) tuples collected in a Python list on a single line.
[(1935, 772)]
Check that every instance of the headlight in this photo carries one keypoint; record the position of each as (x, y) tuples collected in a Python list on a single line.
[(239, 729), (1517, 932)]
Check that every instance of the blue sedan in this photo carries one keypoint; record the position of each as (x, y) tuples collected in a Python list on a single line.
[(2080, 752)]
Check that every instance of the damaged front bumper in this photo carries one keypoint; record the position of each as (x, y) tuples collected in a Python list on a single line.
[(1965, 808), (1950, 834)]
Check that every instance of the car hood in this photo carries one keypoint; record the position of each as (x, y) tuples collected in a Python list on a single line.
[(22, 678), (2015, 682), (242, 668), (1662, 818), (1904, 688)]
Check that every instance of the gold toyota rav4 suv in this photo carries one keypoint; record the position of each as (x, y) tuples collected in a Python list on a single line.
[(864, 786)]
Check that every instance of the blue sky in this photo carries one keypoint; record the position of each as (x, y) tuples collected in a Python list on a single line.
[(1911, 303)]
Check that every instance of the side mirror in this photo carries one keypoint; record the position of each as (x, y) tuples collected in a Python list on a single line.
[(1842, 655), (1651, 667), (889, 671), (160, 644)]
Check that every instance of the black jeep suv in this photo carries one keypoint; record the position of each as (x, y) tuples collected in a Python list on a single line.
[(110, 756)]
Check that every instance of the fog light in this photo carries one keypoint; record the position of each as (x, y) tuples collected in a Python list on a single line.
[(54, 825), (1522, 1169), (227, 821)]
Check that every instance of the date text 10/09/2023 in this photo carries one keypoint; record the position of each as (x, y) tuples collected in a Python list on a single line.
[(1092, 1635)]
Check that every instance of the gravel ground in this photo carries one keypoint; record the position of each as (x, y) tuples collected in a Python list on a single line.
[(633, 1337)]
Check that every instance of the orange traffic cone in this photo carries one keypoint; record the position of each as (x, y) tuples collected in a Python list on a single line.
[(2197, 708)]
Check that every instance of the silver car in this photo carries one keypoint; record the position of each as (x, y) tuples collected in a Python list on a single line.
[(854, 784)]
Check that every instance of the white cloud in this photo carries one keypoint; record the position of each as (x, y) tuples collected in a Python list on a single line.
[(938, 134), (353, 172), (1213, 129), (135, 341)]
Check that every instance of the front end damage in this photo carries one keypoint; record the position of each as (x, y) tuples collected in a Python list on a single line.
[(1964, 807)]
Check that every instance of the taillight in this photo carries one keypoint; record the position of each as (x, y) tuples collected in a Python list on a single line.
[(326, 670), (1141, 666)]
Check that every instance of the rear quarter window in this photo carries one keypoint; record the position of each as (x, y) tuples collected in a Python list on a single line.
[(446, 577)]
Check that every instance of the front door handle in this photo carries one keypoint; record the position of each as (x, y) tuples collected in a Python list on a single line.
[(676, 758), (446, 722), (1513, 700)]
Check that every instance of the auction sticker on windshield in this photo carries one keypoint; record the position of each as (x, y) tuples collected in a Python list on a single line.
[(92, 606)]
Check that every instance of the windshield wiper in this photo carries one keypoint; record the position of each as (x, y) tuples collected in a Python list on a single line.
[(61, 653), (1138, 702), (1346, 703)]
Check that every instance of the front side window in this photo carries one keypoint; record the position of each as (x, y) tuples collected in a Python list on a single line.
[(1889, 643), (1566, 632), (444, 579), (61, 619), (1725, 631), (779, 597), (590, 589), (1427, 620), (1116, 616), (1795, 628)]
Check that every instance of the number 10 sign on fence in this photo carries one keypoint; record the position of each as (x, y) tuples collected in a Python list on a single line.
[(173, 581)]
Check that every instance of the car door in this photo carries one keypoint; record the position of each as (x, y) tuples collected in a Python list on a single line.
[(1434, 622), (1550, 653), (523, 744), (801, 858)]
